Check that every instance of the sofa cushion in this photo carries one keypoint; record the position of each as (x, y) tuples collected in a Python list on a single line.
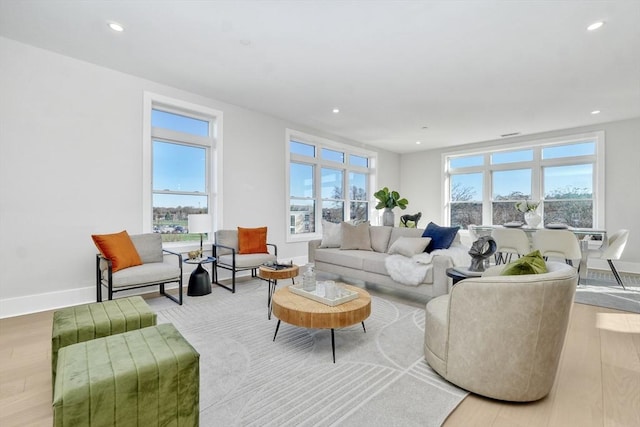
[(441, 237), (331, 234), (409, 246), (532, 263), (119, 248), (355, 237), (349, 259), (252, 240), (246, 260), (373, 262), (380, 235)]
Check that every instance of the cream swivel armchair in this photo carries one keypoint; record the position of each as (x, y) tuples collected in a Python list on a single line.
[(501, 336), (557, 244), (612, 250), (510, 241)]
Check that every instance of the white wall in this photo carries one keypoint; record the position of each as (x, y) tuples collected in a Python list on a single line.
[(71, 166), (421, 180)]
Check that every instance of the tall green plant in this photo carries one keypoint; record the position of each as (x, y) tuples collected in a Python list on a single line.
[(389, 199)]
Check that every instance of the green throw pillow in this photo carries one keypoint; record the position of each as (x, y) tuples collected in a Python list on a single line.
[(532, 263)]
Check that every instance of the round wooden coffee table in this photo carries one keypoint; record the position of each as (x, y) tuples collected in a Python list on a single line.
[(307, 313), (272, 276)]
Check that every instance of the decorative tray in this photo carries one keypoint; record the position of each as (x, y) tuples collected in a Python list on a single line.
[(513, 224), (346, 295)]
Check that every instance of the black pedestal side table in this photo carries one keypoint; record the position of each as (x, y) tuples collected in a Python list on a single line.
[(199, 281)]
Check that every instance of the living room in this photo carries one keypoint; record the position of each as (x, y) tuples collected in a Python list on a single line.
[(73, 163)]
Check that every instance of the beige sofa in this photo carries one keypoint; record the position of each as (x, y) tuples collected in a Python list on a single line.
[(501, 336), (369, 266)]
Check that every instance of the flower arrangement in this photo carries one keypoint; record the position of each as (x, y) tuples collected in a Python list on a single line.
[(526, 206)]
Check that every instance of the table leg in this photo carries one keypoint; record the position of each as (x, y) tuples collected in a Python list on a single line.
[(333, 346), (272, 289), (277, 327), (365, 329), (583, 270)]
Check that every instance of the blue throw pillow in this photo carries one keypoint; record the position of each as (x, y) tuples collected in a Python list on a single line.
[(441, 237)]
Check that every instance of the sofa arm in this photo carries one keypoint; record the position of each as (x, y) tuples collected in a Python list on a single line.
[(313, 245), (441, 282)]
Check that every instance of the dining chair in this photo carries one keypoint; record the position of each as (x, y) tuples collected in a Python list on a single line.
[(510, 241), (557, 244), (612, 250)]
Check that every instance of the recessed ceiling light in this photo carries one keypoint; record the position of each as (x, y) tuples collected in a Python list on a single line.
[(595, 26), (594, 112), (506, 135), (116, 27), (425, 127), (336, 110), (418, 142)]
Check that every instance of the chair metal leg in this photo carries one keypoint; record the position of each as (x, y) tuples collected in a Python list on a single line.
[(615, 274), (333, 346)]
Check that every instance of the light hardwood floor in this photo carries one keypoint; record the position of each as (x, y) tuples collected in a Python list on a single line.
[(598, 382)]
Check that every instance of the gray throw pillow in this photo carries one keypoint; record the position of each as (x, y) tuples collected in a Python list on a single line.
[(355, 237), (331, 234)]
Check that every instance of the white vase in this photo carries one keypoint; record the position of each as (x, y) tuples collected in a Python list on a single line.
[(388, 218), (532, 219)]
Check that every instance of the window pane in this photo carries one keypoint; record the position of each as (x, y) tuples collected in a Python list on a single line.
[(301, 180), (359, 160), (179, 167), (463, 162), (512, 157), (332, 183), (302, 216), (333, 211), (512, 185), (170, 212), (464, 214), (359, 211), (568, 182), (179, 123), (334, 156), (302, 149), (571, 150), (466, 187), (503, 212), (357, 186), (576, 213)]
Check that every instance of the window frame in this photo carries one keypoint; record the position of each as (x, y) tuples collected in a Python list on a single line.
[(318, 163), (536, 165), (213, 144)]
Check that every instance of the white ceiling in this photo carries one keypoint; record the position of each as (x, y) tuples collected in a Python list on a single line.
[(467, 70)]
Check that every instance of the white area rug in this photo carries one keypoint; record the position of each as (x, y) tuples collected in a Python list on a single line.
[(602, 290), (380, 377)]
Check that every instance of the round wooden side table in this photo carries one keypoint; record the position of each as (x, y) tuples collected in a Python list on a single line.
[(272, 275)]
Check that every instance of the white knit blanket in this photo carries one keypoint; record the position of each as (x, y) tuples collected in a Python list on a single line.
[(412, 271)]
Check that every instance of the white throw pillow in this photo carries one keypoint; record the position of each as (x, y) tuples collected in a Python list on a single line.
[(355, 236), (409, 246), (331, 235)]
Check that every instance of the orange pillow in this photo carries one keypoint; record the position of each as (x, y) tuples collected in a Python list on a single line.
[(118, 248), (252, 240)]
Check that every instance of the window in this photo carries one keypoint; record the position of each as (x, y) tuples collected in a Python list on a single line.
[(180, 165), (565, 174), (326, 180)]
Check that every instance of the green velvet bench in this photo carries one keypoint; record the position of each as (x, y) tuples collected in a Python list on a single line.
[(149, 377), (86, 322)]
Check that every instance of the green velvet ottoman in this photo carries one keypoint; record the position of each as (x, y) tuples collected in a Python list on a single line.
[(86, 322), (145, 377)]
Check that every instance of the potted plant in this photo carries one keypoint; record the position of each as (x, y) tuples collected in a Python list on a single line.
[(388, 200), (531, 217)]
